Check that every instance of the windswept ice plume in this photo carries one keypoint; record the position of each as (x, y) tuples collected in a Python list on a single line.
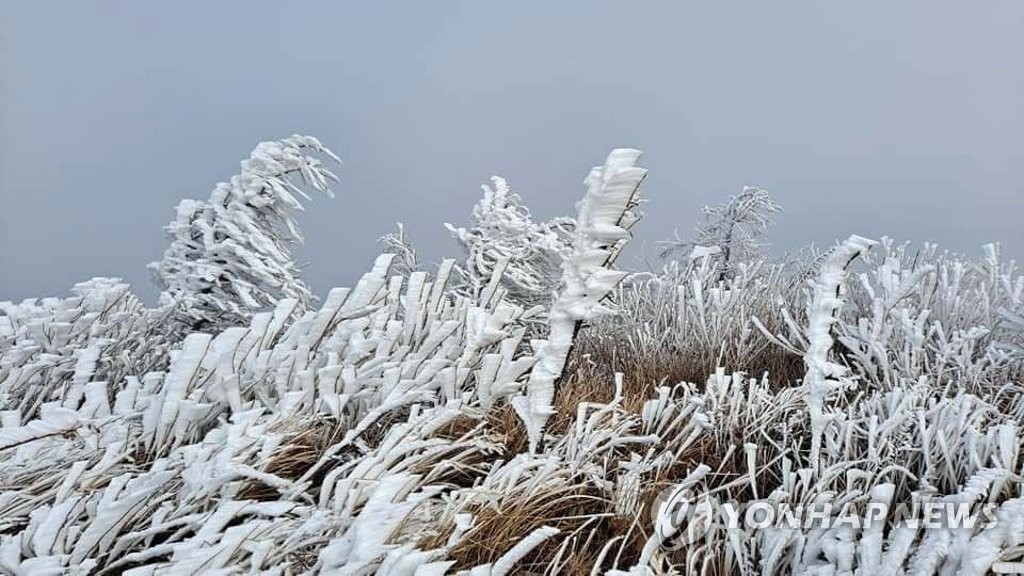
[(229, 256), (523, 409)]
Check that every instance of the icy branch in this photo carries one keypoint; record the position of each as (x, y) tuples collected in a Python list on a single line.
[(586, 279), (229, 256), (823, 376)]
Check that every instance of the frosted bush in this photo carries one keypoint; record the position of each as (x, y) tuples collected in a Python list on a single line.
[(731, 232), (503, 230), (230, 255)]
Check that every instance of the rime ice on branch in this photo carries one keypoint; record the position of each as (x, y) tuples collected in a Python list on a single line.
[(229, 256), (823, 375), (504, 231), (602, 228)]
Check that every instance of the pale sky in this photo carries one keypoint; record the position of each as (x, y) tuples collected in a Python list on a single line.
[(898, 118)]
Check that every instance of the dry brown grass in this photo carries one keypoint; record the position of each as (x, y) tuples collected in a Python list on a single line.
[(575, 509), (295, 456), (644, 370), (585, 515), (505, 423), (501, 424)]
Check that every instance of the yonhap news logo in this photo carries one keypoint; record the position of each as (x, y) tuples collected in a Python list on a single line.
[(682, 517)]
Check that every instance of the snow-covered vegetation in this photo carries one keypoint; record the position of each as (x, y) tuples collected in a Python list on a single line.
[(229, 256), (518, 410)]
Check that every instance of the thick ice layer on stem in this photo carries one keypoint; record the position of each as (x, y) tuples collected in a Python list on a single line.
[(54, 422), (602, 228), (822, 374)]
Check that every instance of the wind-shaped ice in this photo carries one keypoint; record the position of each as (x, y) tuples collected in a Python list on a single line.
[(602, 228), (823, 375), (229, 256)]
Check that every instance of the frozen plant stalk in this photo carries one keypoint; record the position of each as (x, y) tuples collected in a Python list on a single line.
[(603, 223), (822, 374)]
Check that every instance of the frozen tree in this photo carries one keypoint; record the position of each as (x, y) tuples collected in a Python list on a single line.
[(503, 229), (731, 231), (230, 255)]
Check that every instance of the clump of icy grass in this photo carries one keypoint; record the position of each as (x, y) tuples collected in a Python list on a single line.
[(517, 411)]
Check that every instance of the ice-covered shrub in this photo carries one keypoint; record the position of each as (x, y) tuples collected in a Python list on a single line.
[(190, 446), (503, 230), (103, 333), (936, 315), (230, 255), (684, 321), (731, 232), (398, 243)]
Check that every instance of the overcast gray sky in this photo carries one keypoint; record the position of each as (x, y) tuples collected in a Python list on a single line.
[(898, 118)]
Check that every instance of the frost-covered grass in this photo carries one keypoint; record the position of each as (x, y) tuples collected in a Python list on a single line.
[(517, 411)]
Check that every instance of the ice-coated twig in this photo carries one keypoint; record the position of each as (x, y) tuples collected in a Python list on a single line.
[(824, 376), (612, 191)]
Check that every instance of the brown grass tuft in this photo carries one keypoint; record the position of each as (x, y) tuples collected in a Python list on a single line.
[(296, 455)]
